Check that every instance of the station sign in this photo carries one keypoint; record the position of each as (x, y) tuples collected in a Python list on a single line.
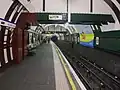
[(7, 23), (55, 17), (52, 18)]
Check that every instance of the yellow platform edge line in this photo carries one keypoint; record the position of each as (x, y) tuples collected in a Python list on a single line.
[(67, 71)]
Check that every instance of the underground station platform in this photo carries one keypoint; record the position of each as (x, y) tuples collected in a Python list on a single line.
[(47, 69), (79, 56)]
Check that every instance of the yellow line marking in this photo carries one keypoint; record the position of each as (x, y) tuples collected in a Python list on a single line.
[(67, 72)]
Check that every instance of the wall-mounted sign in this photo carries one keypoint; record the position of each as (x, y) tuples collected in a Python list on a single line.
[(7, 23), (55, 17)]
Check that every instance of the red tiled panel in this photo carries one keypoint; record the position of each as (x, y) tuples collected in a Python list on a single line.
[(17, 45), (20, 36)]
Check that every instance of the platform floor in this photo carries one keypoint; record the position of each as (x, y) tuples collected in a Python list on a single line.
[(43, 71)]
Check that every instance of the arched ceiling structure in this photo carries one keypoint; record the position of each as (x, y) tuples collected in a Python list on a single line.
[(70, 29), (11, 12), (98, 6)]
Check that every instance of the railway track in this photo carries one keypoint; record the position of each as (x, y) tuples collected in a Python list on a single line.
[(93, 77)]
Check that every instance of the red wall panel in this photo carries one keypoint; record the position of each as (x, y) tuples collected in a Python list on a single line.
[(20, 36)]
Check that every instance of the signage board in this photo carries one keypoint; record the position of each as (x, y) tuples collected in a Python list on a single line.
[(55, 17), (7, 23)]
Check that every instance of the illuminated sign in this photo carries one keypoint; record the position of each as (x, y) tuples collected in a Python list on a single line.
[(55, 17)]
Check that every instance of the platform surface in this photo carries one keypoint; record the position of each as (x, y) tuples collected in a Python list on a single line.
[(34, 73), (42, 71)]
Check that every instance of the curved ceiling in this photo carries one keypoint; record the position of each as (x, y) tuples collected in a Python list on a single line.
[(70, 29)]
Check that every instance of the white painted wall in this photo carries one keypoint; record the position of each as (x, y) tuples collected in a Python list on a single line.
[(84, 28), (56, 5), (101, 7), (38, 5), (57, 28), (61, 5), (33, 27), (28, 5), (4, 6), (79, 5)]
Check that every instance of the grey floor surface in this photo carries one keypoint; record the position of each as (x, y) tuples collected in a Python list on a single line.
[(34, 73)]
